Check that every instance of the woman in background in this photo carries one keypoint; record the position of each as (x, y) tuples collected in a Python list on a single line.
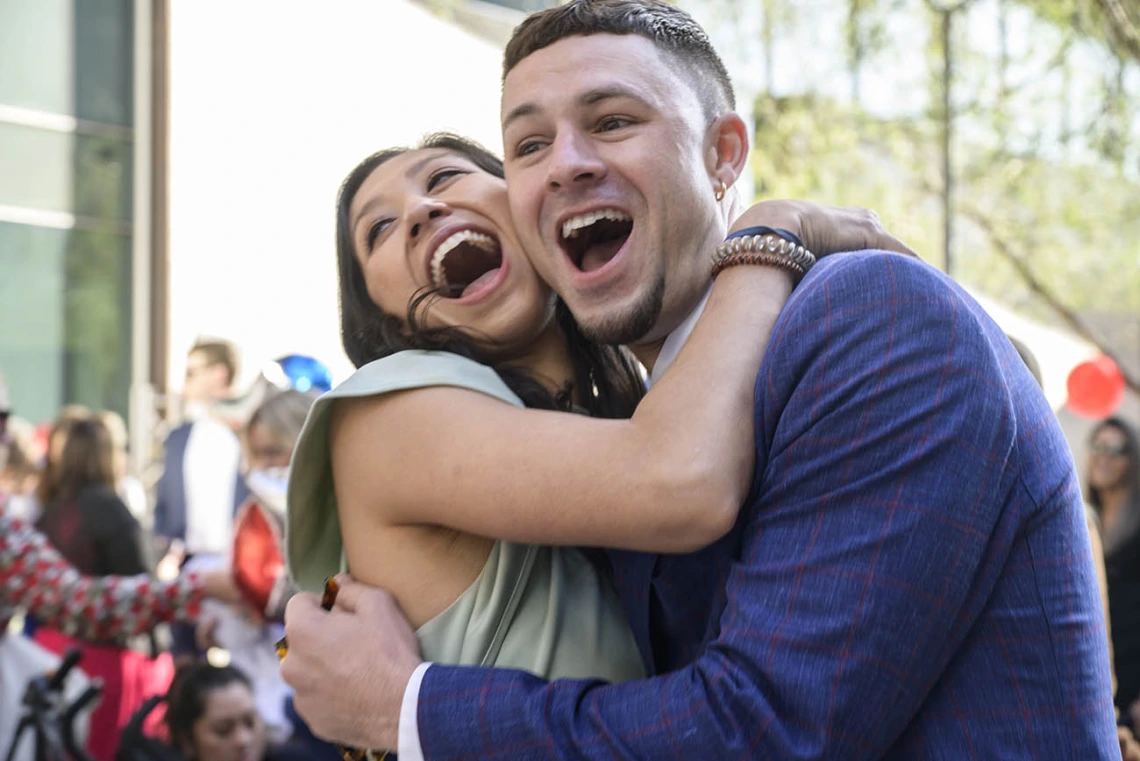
[(1113, 480), (212, 716), (258, 565), (92, 528), (128, 487)]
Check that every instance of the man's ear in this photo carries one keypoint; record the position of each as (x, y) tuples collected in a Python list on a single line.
[(727, 153)]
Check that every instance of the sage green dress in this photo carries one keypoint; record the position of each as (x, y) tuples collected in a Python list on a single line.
[(542, 609)]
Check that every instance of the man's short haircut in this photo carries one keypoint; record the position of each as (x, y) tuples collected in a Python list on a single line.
[(218, 352), (668, 27)]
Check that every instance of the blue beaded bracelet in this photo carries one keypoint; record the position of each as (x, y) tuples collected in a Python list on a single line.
[(787, 235)]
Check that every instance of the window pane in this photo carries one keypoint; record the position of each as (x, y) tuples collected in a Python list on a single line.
[(37, 62), (97, 320), (65, 308), (103, 177), (82, 174), (104, 50), (31, 313)]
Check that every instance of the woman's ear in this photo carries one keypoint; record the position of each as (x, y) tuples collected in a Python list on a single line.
[(727, 154)]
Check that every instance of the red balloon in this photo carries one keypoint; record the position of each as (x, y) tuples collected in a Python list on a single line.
[(1096, 388), (257, 556)]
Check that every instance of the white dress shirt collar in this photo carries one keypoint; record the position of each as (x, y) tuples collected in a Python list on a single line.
[(675, 340)]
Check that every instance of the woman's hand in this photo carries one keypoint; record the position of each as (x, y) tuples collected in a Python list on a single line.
[(823, 229), (220, 585)]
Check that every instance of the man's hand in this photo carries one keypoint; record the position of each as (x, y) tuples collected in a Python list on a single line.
[(824, 229), (350, 666)]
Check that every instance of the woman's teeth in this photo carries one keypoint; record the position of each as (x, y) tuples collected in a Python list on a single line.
[(572, 226), (449, 244)]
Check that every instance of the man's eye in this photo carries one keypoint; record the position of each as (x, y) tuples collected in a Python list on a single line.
[(527, 148), (442, 175), (610, 123)]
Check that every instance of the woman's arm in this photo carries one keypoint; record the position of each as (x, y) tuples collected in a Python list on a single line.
[(34, 576), (670, 479)]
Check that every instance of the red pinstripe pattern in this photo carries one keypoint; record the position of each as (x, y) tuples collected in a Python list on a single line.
[(910, 578)]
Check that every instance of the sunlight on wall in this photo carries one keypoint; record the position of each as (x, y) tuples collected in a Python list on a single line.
[(272, 104)]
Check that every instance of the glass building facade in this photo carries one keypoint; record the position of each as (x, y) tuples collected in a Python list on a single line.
[(67, 139)]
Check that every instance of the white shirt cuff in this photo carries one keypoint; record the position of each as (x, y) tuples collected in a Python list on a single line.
[(408, 746)]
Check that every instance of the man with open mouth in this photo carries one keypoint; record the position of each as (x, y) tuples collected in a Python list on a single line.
[(910, 576)]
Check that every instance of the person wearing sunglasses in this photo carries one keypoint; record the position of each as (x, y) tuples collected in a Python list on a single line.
[(1113, 483)]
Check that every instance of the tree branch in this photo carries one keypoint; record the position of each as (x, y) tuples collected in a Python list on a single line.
[(1124, 27), (1071, 318), (1006, 250)]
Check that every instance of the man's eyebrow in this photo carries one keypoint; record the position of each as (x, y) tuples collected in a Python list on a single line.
[(588, 98), (519, 111), (598, 94)]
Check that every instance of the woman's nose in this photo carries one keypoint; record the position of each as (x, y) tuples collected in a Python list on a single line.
[(425, 211)]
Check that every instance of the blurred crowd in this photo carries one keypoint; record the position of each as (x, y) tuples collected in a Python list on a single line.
[(173, 591)]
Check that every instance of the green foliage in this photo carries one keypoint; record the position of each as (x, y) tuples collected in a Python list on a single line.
[(1046, 152)]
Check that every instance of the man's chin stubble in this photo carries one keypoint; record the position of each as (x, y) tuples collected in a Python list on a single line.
[(633, 324)]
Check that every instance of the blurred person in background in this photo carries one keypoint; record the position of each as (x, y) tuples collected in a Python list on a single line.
[(212, 716), (129, 488), (1113, 482), (48, 483), (201, 485), (21, 475), (85, 519), (269, 438)]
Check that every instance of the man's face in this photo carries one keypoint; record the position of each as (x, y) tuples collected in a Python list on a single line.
[(609, 161), (205, 382)]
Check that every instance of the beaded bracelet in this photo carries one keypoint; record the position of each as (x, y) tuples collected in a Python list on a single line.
[(770, 260), (763, 249)]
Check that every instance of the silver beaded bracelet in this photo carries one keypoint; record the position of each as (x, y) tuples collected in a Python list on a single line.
[(768, 243)]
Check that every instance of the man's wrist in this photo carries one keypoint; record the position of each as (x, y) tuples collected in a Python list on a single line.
[(407, 743)]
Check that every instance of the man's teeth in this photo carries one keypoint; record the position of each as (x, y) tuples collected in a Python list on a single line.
[(438, 275), (571, 226)]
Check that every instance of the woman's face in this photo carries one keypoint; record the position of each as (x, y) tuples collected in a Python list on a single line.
[(266, 449), (1108, 462), (432, 219), (230, 728)]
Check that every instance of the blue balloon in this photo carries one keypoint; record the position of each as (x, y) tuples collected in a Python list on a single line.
[(306, 373)]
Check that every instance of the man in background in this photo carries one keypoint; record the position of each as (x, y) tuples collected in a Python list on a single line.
[(201, 485)]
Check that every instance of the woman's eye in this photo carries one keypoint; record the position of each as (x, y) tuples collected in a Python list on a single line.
[(441, 175), (376, 229)]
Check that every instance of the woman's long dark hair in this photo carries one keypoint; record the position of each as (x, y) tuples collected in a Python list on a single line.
[(606, 378), (88, 460), (1128, 523)]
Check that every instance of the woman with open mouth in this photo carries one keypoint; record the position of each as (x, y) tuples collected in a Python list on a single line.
[(447, 470)]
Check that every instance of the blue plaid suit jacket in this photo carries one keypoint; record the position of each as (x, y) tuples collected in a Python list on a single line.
[(910, 579)]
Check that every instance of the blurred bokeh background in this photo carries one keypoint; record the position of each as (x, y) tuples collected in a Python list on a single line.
[(168, 167)]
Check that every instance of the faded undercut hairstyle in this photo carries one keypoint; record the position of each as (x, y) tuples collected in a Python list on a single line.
[(668, 27), (610, 384)]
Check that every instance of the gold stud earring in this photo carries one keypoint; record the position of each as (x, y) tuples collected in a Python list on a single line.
[(720, 191)]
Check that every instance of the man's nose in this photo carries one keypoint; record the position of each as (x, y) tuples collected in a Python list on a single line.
[(423, 211), (573, 161)]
